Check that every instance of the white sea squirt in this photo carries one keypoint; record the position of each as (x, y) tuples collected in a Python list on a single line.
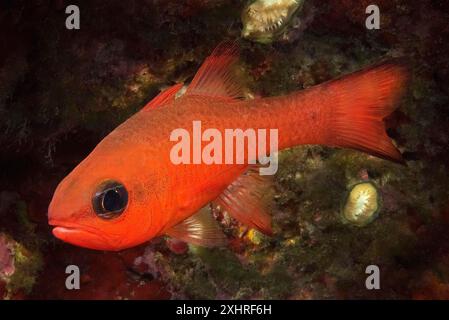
[(362, 204), (263, 20)]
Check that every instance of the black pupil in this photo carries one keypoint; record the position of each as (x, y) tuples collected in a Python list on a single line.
[(112, 200)]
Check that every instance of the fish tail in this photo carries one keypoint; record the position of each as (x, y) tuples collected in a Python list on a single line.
[(359, 103)]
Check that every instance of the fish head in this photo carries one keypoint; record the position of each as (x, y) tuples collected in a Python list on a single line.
[(106, 202)]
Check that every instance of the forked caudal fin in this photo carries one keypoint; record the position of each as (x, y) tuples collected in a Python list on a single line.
[(360, 102)]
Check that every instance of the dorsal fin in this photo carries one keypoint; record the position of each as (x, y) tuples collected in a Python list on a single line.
[(246, 199), (164, 97), (200, 229), (215, 77)]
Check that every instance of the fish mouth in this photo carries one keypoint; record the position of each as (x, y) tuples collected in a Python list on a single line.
[(82, 236)]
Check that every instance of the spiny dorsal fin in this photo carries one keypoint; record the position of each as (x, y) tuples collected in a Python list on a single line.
[(164, 97), (246, 199), (215, 77), (200, 229)]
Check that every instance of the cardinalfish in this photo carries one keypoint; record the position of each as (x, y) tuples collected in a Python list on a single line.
[(127, 191)]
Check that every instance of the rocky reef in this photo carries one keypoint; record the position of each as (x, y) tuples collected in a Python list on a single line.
[(62, 91)]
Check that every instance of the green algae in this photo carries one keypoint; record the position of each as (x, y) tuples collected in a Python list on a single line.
[(211, 273), (26, 252), (28, 264)]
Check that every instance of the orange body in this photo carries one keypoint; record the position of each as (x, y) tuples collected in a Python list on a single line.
[(343, 113)]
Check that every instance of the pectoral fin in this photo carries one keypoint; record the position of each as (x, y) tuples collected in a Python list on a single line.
[(246, 200), (200, 229)]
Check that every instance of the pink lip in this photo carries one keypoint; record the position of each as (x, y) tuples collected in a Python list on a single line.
[(64, 233), (79, 236)]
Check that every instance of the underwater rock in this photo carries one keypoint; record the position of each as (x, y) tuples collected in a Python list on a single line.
[(264, 20), (6, 257), (255, 237), (362, 204), (103, 276), (19, 266), (177, 246), (431, 287)]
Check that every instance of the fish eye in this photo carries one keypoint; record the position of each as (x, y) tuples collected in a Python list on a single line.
[(110, 199)]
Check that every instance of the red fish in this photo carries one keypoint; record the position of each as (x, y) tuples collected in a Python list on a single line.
[(127, 191)]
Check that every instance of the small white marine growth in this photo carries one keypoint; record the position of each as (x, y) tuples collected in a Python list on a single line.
[(362, 204), (264, 19)]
